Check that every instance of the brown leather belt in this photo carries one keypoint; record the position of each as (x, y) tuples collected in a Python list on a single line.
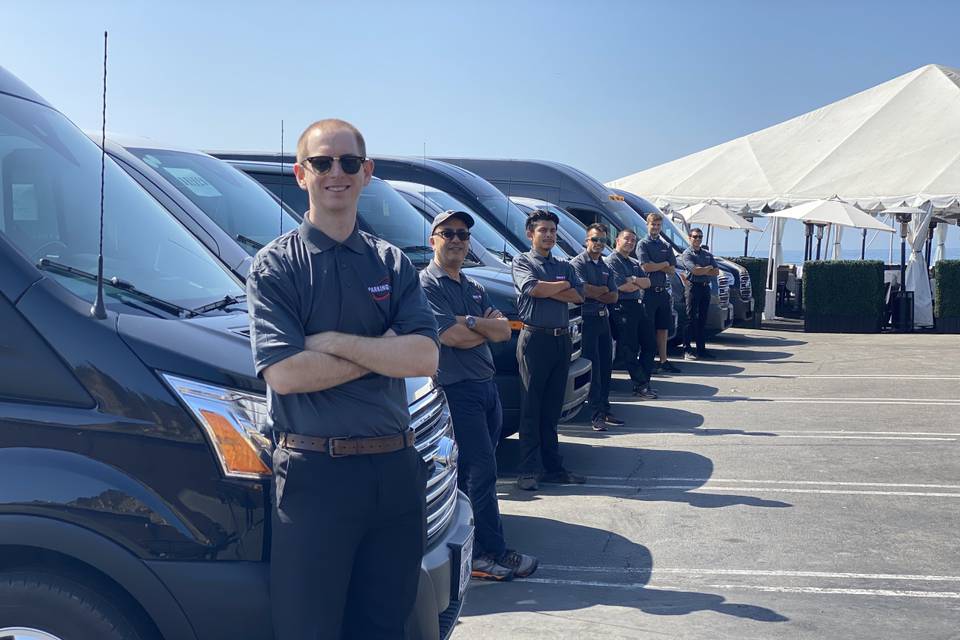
[(340, 447), (561, 331)]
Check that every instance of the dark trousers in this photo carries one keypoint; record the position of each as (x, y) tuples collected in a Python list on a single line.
[(346, 545), (636, 339), (477, 419), (598, 349), (698, 306), (544, 363)]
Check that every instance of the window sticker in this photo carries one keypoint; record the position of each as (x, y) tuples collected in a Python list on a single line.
[(24, 198), (193, 181)]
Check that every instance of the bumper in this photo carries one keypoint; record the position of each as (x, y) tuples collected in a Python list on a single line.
[(719, 317), (742, 310), (578, 387), (437, 609)]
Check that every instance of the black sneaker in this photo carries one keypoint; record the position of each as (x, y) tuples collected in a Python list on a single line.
[(669, 367), (690, 355), (612, 420), (528, 483), (644, 392), (522, 564), (562, 477), (486, 567), (597, 424)]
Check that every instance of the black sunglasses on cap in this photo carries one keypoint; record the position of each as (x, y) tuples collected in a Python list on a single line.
[(322, 164), (449, 234)]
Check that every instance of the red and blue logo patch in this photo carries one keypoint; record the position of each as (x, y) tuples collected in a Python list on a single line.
[(381, 290)]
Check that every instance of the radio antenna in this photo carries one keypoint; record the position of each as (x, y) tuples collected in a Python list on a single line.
[(98, 310), (281, 177)]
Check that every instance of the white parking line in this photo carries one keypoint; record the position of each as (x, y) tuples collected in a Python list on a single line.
[(707, 488), (812, 590), (750, 572), (701, 481), (801, 400), (772, 434)]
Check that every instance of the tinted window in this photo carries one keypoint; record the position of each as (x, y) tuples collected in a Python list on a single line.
[(482, 231), (235, 202), (515, 220), (50, 208), (387, 215)]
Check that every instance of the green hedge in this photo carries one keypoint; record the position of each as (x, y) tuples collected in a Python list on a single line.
[(946, 275), (843, 295), (757, 268)]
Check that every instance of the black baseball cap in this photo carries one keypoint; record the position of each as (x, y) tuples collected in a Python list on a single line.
[(446, 215)]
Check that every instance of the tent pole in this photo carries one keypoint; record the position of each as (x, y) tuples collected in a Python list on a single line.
[(746, 241), (863, 245)]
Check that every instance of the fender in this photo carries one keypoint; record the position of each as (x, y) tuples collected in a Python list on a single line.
[(107, 557)]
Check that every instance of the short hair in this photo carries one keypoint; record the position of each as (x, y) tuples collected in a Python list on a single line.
[(698, 229), (655, 215), (625, 231), (540, 215), (329, 123), (597, 226)]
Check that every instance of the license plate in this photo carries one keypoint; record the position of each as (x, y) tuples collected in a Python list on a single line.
[(466, 566)]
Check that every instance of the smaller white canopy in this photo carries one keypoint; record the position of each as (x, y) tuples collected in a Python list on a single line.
[(832, 212), (708, 213)]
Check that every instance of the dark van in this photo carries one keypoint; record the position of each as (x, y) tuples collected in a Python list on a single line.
[(385, 213), (134, 472)]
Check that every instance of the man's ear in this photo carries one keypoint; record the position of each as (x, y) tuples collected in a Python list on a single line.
[(367, 171), (300, 174)]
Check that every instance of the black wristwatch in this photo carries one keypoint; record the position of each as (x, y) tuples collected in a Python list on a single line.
[(471, 322)]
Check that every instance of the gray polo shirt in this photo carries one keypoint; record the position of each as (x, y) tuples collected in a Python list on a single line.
[(702, 258), (304, 283), (624, 268), (530, 268), (448, 299), (651, 250), (596, 273)]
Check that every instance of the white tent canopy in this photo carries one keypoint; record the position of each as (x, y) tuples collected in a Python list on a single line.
[(707, 213), (832, 212), (897, 143)]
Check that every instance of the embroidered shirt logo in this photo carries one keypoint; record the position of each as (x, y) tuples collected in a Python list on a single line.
[(381, 290)]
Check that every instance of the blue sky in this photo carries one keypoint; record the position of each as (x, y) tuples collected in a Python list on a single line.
[(609, 87)]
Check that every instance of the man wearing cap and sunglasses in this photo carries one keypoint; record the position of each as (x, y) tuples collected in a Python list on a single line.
[(599, 290), (703, 268), (467, 322), (337, 320)]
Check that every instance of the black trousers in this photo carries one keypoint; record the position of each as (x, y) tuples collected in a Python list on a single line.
[(346, 545), (544, 364), (476, 413), (636, 339), (598, 349), (698, 306)]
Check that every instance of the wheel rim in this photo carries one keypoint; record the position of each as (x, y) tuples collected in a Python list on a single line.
[(23, 633)]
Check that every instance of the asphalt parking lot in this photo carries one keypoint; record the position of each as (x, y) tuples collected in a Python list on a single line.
[(802, 486)]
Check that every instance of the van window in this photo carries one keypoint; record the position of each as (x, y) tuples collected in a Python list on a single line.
[(236, 203), (50, 194), (286, 188)]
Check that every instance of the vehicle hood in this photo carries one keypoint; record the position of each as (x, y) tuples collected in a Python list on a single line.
[(213, 349), (732, 268)]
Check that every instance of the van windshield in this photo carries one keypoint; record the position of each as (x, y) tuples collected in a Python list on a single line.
[(514, 219), (387, 215), (233, 200), (50, 211)]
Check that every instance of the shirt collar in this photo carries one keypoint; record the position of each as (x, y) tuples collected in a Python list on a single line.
[(438, 272), (317, 241), (545, 259)]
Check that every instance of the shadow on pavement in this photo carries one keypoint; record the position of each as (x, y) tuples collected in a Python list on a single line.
[(595, 579), (653, 416), (650, 475), (755, 340)]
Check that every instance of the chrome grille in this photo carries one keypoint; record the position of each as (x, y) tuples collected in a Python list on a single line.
[(576, 331), (430, 418), (723, 284), (746, 287)]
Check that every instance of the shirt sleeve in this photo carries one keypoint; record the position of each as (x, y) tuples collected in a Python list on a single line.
[(276, 331), (618, 276), (612, 281), (524, 278), (713, 261), (688, 261), (442, 311), (644, 254), (413, 314), (575, 281), (579, 267), (671, 257)]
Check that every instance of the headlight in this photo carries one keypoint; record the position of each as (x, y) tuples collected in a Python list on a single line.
[(234, 421)]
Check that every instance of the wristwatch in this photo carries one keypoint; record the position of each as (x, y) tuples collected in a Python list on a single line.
[(471, 322)]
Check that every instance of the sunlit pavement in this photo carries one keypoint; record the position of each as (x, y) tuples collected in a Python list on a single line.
[(801, 486)]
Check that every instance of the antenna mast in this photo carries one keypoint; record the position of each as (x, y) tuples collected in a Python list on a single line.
[(98, 310), (281, 177)]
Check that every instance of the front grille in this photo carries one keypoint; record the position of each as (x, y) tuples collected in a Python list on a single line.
[(430, 418), (746, 287), (723, 284), (576, 331)]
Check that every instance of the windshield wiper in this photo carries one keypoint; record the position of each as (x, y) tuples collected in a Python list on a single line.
[(115, 282), (250, 242), (223, 303)]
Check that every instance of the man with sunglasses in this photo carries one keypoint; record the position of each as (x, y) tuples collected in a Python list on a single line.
[(545, 286), (467, 322), (636, 337), (599, 290), (659, 262), (703, 268), (337, 320)]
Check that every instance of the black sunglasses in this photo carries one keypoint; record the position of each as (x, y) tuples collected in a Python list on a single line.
[(697, 236), (598, 239), (449, 234), (321, 165)]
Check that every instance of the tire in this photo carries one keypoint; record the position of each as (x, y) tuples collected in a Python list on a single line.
[(59, 609)]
